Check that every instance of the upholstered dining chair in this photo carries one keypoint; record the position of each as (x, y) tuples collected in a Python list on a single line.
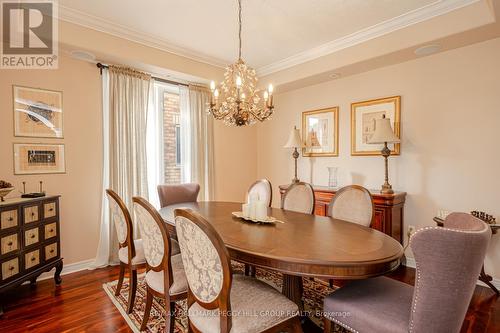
[(165, 277), (299, 197), (214, 292), (263, 189), (448, 262), (354, 204), (172, 194), (130, 251)]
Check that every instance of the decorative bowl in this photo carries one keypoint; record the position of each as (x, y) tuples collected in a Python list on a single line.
[(4, 192)]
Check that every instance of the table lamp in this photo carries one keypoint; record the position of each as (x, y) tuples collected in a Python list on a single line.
[(384, 134), (295, 142)]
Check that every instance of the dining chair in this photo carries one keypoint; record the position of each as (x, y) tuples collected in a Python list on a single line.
[(214, 293), (263, 189), (130, 251), (299, 197), (172, 194), (165, 277), (354, 204), (448, 262)]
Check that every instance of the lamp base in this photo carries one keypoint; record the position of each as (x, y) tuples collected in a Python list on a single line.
[(386, 189)]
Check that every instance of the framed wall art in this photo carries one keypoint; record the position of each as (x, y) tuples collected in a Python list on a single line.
[(35, 158), (320, 130), (363, 116), (37, 112)]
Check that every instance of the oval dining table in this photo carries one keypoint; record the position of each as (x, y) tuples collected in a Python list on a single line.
[(299, 244)]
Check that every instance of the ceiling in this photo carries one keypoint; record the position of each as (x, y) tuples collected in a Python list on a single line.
[(277, 34)]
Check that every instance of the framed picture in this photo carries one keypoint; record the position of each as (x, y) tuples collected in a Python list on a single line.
[(34, 158), (363, 116), (37, 112), (320, 130)]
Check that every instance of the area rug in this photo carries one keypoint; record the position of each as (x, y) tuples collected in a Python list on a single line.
[(314, 292)]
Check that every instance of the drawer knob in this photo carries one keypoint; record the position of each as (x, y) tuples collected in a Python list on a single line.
[(9, 243), (11, 219), (51, 230), (51, 250), (32, 236), (51, 209), (32, 213), (33, 258), (11, 268)]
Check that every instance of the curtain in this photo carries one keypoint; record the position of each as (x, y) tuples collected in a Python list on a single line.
[(197, 139), (154, 138), (125, 107)]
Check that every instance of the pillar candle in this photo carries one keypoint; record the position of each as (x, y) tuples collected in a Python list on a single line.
[(260, 210)]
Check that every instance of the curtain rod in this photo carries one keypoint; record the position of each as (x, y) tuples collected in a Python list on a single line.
[(101, 66)]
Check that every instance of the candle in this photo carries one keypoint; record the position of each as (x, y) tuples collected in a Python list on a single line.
[(252, 210), (260, 210), (245, 210)]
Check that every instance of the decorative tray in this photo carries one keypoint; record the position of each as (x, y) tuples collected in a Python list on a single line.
[(268, 220)]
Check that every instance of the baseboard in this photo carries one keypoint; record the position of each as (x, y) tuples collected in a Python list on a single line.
[(410, 262), (68, 269)]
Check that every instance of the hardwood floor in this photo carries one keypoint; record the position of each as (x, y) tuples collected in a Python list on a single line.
[(80, 305)]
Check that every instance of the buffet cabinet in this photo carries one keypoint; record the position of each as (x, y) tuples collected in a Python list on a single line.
[(29, 240), (388, 208)]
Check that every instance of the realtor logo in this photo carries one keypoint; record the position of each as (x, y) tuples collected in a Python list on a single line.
[(29, 35)]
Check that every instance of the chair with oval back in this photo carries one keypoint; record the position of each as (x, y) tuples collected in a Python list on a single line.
[(263, 189), (354, 204), (165, 277), (448, 262), (127, 246), (214, 292), (299, 197)]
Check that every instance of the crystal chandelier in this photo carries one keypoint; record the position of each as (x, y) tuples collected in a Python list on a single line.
[(236, 100)]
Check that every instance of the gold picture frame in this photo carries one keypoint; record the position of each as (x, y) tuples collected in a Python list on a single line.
[(39, 158), (320, 132), (363, 115), (37, 112)]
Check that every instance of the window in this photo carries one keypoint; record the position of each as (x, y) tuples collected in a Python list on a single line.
[(171, 137), (178, 144)]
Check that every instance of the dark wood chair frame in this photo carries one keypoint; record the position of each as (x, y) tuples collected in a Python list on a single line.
[(129, 243), (291, 187), (346, 188), (222, 301), (166, 267), (250, 269)]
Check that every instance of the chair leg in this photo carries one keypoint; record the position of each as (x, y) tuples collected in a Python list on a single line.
[(132, 290), (147, 310), (120, 279), (327, 325), (170, 313), (295, 326), (247, 269), (331, 283)]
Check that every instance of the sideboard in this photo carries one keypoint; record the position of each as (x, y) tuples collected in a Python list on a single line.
[(388, 208), (29, 240)]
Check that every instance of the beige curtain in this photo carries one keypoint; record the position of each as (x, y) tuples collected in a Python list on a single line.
[(197, 140), (125, 104)]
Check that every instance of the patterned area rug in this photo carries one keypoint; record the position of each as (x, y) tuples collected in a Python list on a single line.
[(314, 292)]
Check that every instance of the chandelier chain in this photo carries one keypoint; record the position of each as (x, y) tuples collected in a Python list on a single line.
[(239, 31)]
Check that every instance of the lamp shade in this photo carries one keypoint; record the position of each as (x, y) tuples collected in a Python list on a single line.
[(383, 132), (294, 140)]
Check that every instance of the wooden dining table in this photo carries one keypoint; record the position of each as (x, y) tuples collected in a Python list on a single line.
[(299, 244)]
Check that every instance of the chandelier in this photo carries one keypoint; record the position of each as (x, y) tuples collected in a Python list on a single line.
[(236, 100)]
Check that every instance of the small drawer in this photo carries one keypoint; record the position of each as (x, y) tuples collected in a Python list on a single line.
[(30, 214), (50, 230), (31, 236), (31, 259), (9, 244), (49, 210), (10, 268), (8, 219), (50, 251)]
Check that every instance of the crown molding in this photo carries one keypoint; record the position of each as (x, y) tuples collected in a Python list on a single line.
[(96, 23), (410, 18)]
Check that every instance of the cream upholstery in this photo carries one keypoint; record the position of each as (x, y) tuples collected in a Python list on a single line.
[(139, 253), (353, 204), (118, 219), (256, 306), (155, 280), (201, 261), (154, 247), (263, 189), (299, 198)]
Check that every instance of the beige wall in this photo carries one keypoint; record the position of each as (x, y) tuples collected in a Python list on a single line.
[(450, 120), (80, 186)]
